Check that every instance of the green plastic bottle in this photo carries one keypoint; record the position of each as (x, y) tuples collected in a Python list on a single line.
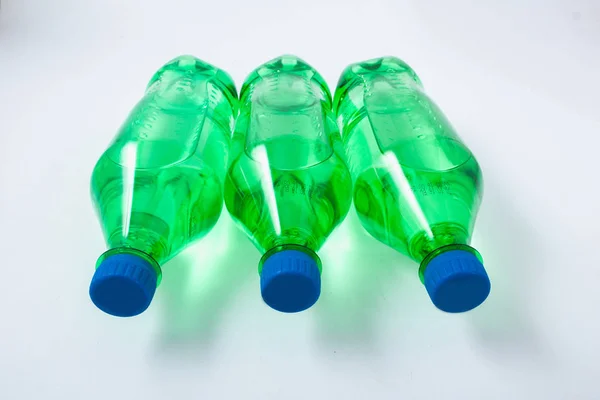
[(159, 184), (287, 185), (417, 186)]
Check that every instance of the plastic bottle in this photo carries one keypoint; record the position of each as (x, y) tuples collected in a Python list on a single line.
[(159, 184), (417, 186), (287, 184)]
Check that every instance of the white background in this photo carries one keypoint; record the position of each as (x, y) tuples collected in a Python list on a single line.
[(518, 79)]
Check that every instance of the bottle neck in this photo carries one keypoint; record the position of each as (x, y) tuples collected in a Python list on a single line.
[(436, 237), (285, 247), (135, 252), (442, 250)]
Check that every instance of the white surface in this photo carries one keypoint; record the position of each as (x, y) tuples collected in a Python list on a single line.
[(519, 81)]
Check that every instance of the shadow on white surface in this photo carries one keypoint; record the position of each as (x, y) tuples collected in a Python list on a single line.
[(358, 271), (364, 282), (505, 325), (199, 285)]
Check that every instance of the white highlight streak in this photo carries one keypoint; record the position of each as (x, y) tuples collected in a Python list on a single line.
[(406, 193), (128, 161), (259, 153)]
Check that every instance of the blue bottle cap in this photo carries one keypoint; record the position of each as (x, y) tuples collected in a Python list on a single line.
[(456, 281), (123, 285), (290, 281)]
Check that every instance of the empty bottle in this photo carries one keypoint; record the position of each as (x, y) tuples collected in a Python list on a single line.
[(287, 184), (159, 184), (417, 186)]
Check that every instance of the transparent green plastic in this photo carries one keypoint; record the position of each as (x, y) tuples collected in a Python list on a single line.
[(417, 186), (159, 184), (287, 185)]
